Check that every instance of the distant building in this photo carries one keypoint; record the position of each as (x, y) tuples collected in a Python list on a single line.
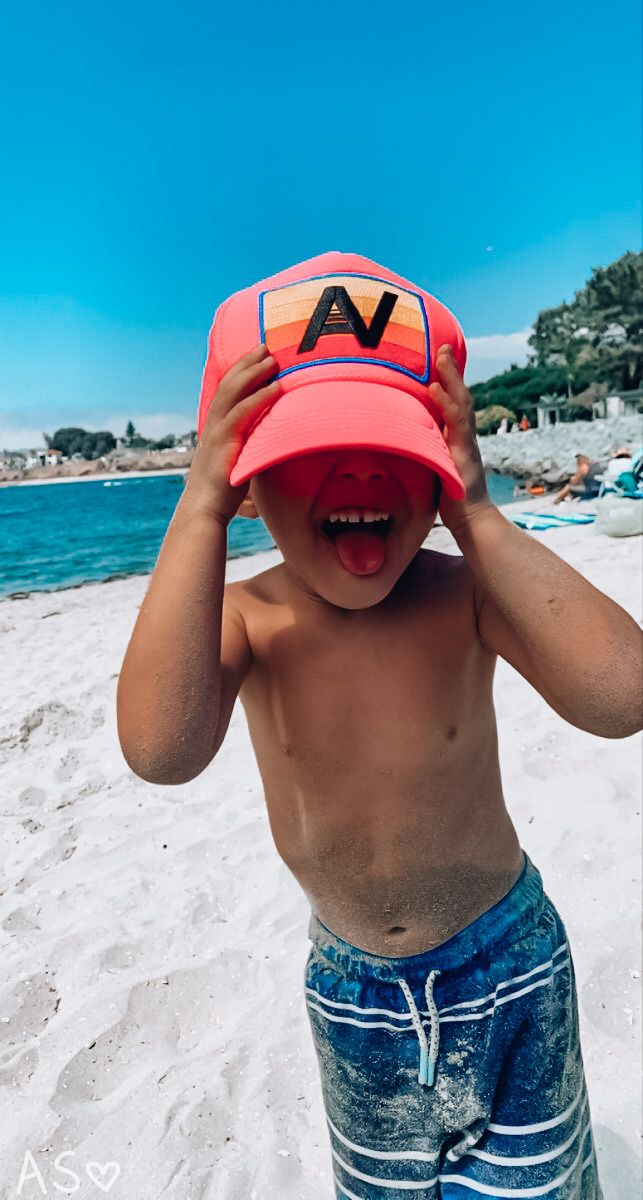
[(550, 410), (620, 404), (49, 457), (12, 460)]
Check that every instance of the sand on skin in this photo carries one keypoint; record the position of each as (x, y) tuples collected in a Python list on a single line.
[(153, 943)]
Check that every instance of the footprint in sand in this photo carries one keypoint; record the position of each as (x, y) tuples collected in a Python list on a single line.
[(69, 764), (119, 957), (63, 849), (27, 1008), (208, 909), (32, 797), (54, 722), (163, 1017), (20, 1070), (22, 920), (146, 1030)]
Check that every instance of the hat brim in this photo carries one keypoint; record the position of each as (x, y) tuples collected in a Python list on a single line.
[(330, 415)]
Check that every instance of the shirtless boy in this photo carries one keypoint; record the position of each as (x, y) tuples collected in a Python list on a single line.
[(439, 983)]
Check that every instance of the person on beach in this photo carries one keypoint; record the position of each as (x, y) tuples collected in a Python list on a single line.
[(439, 981), (583, 483)]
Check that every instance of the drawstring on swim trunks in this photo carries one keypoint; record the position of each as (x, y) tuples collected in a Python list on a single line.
[(429, 1047)]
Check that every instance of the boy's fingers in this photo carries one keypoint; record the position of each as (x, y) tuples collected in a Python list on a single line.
[(249, 409), (252, 356), (451, 409), (248, 380), (236, 387), (447, 369), (458, 415)]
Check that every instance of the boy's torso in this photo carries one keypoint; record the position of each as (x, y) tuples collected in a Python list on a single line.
[(375, 737)]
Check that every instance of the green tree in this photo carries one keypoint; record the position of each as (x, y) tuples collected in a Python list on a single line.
[(72, 440), (104, 441), (520, 388), (560, 339), (611, 307), (489, 419), (68, 440), (130, 432), (596, 340), (600, 333)]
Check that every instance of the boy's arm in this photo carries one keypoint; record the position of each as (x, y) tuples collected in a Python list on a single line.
[(578, 648), (187, 656), (188, 653)]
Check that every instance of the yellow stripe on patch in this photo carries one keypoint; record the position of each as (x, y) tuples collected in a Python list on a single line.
[(297, 301)]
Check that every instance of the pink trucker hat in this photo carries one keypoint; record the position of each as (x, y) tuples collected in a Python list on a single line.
[(355, 347)]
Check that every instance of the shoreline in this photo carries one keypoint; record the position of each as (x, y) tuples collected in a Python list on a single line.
[(97, 477), (517, 505)]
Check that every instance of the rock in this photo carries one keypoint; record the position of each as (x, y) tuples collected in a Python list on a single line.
[(541, 451)]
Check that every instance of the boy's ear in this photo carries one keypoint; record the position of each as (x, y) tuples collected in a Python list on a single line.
[(247, 508)]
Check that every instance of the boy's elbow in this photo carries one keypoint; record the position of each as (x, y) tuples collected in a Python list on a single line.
[(161, 770), (164, 759), (614, 723), (623, 727), (167, 765)]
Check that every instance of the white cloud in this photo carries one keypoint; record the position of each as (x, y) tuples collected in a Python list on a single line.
[(487, 356), (18, 435)]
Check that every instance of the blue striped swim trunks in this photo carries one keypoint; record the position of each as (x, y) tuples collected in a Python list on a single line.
[(457, 1071)]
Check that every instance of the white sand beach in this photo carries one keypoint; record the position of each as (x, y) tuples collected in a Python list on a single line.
[(153, 944)]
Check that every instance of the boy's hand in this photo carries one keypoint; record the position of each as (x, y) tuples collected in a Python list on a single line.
[(241, 397), (456, 404)]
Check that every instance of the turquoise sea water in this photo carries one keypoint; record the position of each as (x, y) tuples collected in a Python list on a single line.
[(60, 535)]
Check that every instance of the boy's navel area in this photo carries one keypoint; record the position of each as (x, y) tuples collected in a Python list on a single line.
[(394, 862)]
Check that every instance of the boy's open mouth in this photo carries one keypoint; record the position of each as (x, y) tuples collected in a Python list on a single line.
[(358, 536), (334, 525)]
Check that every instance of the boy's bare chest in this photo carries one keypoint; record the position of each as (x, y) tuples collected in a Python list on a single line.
[(376, 742), (380, 687)]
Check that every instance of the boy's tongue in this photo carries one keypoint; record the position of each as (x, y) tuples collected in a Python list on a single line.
[(360, 551)]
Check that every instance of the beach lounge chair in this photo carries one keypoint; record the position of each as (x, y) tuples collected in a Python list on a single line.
[(623, 478)]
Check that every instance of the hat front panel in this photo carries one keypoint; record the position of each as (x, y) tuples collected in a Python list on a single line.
[(340, 317)]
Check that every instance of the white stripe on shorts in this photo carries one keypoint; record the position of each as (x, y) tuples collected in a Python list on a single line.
[(521, 1193), (450, 1016)]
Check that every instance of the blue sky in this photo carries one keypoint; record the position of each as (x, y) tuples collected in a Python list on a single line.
[(157, 157)]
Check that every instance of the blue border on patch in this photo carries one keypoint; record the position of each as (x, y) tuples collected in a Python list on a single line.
[(377, 362)]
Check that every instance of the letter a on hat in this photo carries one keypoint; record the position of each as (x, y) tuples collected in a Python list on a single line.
[(324, 321)]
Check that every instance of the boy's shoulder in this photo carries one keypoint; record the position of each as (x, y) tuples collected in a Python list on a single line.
[(428, 571)]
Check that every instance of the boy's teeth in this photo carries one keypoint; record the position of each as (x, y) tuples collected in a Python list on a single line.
[(353, 516)]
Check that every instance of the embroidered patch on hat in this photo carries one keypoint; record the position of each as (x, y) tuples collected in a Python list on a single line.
[(345, 318)]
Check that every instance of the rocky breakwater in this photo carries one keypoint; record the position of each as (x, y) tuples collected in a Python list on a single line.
[(147, 460), (550, 454)]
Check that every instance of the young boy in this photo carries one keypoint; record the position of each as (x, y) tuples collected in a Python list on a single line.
[(439, 984)]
